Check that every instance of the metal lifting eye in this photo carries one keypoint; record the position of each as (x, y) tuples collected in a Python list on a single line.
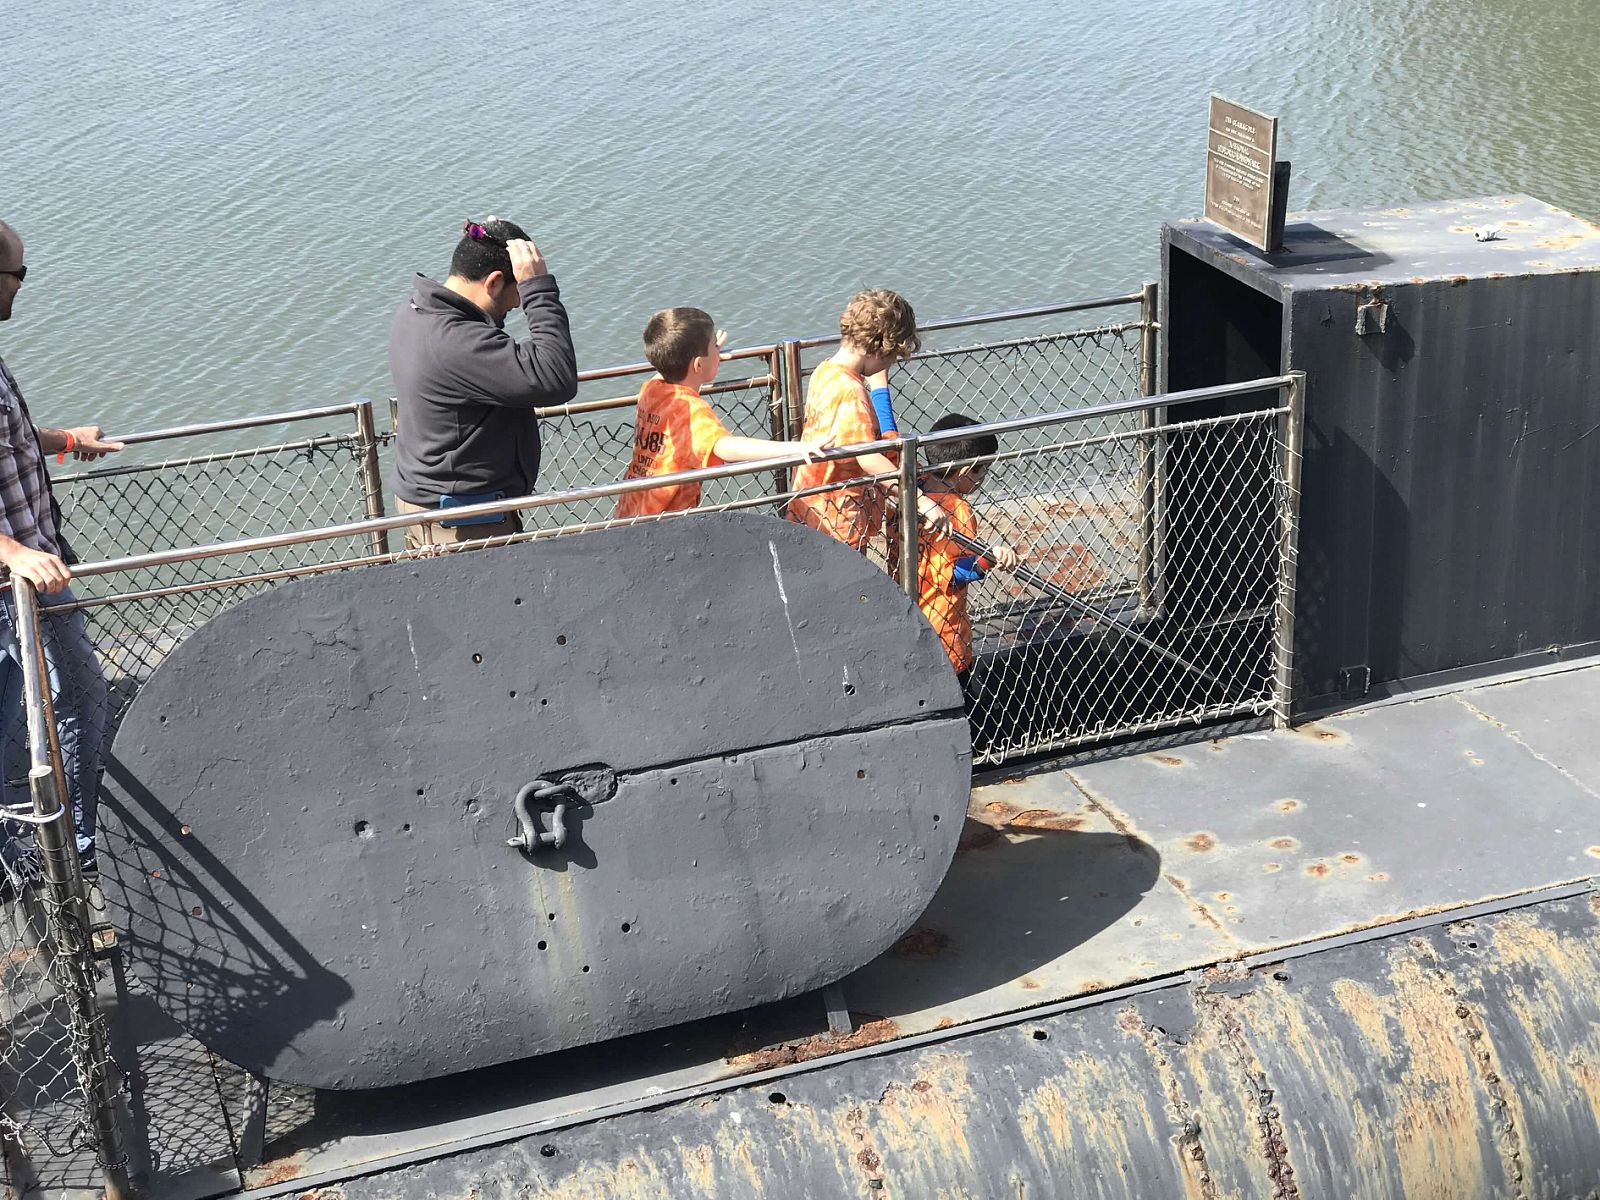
[(586, 786), (541, 792)]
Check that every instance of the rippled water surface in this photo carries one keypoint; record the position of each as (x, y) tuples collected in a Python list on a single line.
[(223, 202)]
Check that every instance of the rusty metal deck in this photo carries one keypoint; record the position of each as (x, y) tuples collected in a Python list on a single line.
[(1129, 876)]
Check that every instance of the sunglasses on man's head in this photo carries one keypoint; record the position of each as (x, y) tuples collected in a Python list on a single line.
[(21, 272), (478, 233)]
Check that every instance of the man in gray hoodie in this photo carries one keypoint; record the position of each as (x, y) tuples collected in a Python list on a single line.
[(467, 389)]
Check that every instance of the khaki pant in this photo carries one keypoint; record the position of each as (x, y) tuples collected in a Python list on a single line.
[(418, 536)]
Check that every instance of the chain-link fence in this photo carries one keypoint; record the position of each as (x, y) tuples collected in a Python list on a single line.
[(188, 487), (590, 441), (60, 1118), (1155, 586), (1117, 619)]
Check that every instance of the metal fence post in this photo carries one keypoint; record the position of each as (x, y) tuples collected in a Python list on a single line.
[(371, 477), (907, 514), (794, 393), (1152, 448), (1149, 310), (777, 414), (68, 917), (1291, 432)]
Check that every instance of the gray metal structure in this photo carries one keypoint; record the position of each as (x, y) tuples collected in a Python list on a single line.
[(1333, 961), (426, 816), (1349, 958), (1453, 387)]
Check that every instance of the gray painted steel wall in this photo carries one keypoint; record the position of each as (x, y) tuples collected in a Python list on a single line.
[(1451, 482)]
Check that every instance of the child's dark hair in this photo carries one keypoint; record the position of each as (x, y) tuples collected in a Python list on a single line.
[(482, 249), (675, 337), (982, 445)]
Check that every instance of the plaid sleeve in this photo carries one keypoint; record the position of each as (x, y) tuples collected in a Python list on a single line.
[(22, 479)]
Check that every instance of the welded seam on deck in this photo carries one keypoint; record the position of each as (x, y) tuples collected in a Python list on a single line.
[(1517, 738), (1186, 1144), (1124, 825), (1481, 1054), (1253, 1077)]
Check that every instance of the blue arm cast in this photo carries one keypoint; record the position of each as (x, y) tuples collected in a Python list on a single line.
[(885, 413), (966, 570)]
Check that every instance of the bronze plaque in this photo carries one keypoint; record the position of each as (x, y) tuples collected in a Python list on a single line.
[(1240, 153)]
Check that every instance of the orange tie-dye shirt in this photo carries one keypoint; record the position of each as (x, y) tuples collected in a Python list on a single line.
[(674, 429), (943, 602), (837, 405)]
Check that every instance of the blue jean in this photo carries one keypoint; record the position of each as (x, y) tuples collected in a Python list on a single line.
[(82, 709)]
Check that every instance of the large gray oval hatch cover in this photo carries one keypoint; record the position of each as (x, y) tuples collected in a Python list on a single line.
[(755, 742)]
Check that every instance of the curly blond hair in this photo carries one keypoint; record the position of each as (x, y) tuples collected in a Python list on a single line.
[(880, 322)]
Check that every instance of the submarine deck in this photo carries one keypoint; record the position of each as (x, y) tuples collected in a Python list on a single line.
[(1076, 883)]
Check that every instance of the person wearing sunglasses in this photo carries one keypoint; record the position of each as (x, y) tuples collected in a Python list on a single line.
[(34, 547), (466, 432)]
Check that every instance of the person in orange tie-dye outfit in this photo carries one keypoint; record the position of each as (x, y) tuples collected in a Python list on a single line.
[(877, 329), (944, 566), (674, 428)]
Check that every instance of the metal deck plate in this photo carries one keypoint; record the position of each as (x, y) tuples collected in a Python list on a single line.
[(308, 804)]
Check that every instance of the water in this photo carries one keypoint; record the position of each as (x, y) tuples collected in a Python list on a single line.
[(223, 202)]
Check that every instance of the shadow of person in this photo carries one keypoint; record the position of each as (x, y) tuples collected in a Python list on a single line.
[(1017, 903)]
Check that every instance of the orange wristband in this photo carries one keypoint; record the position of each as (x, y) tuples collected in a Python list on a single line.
[(61, 454)]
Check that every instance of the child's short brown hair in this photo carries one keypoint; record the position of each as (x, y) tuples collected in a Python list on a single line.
[(675, 337), (880, 322)]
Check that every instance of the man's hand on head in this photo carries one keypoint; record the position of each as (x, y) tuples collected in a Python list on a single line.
[(526, 261), (45, 571)]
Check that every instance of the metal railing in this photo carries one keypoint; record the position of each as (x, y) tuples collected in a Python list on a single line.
[(590, 441), (61, 1116), (761, 390), (1072, 504), (1040, 370), (1157, 535), (205, 488)]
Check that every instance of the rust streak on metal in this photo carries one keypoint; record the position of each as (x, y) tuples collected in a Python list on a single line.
[(1167, 760), (1195, 906), (1481, 1053), (1186, 1143), (1117, 819), (1322, 733), (922, 942), (1436, 1110), (870, 1033), (975, 835), (1044, 818), (280, 1170), (1251, 1077)]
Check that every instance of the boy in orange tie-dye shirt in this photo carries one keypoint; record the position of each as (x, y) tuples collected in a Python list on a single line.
[(877, 329), (944, 566), (674, 429)]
